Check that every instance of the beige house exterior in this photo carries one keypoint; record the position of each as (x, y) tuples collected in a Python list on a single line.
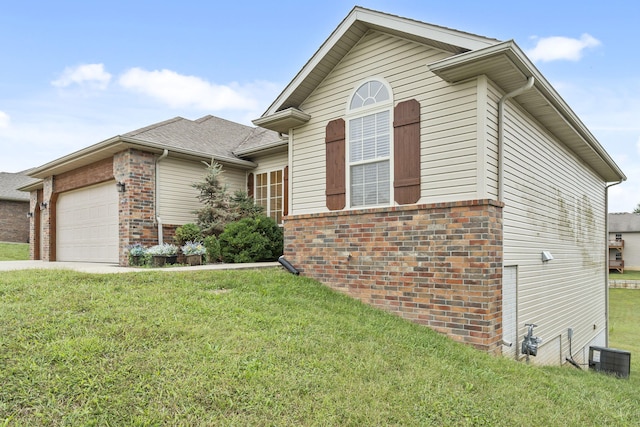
[(433, 173), (93, 204), (624, 241)]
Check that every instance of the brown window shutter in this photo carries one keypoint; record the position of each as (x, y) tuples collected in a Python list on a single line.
[(335, 182), (250, 185), (285, 191), (406, 152)]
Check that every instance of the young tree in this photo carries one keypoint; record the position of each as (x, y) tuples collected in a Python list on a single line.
[(215, 212), (219, 208)]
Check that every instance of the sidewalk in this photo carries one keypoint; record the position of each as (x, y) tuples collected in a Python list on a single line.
[(100, 268)]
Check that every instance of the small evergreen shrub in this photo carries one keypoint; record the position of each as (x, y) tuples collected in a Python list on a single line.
[(251, 239), (212, 245), (188, 233)]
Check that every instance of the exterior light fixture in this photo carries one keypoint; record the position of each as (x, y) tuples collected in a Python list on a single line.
[(43, 205), (546, 256), (29, 214), (121, 187)]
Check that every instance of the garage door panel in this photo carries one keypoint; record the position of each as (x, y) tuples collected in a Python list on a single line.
[(87, 224)]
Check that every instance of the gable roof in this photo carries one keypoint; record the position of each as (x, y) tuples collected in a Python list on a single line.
[(624, 222), (9, 184), (357, 23), (503, 62), (205, 138)]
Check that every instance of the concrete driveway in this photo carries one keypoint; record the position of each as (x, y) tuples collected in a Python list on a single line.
[(100, 268)]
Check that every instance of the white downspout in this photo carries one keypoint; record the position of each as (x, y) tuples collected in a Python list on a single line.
[(501, 103), (606, 270), (157, 198)]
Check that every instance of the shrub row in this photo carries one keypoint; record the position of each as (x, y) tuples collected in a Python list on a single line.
[(252, 239)]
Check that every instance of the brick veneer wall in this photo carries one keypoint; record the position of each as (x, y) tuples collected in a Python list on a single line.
[(136, 169), (439, 265), (136, 208), (14, 224)]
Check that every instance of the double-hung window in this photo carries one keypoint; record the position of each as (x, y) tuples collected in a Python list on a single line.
[(369, 141)]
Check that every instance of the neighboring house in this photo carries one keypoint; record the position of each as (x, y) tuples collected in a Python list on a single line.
[(137, 188), (434, 174), (14, 207), (624, 241)]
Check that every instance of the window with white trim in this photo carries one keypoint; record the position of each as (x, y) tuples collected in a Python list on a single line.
[(268, 193), (369, 145)]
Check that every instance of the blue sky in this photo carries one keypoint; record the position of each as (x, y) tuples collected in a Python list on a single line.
[(75, 73)]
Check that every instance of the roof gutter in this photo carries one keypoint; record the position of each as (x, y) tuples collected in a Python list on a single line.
[(503, 100), (63, 164), (278, 145)]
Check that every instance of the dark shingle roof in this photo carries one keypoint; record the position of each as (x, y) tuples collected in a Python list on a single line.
[(208, 135), (9, 184), (624, 223)]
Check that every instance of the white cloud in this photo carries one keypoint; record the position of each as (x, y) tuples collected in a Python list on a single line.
[(4, 120), (180, 91), (89, 75), (561, 48)]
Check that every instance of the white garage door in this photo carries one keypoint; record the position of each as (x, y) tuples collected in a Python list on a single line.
[(87, 224)]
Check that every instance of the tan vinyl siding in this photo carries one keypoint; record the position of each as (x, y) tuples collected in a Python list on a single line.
[(177, 199), (631, 252), (448, 123), (234, 179), (271, 162), (553, 203), (490, 130)]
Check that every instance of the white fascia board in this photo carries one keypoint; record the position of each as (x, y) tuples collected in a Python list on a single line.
[(311, 64), (524, 65), (380, 21), (424, 30)]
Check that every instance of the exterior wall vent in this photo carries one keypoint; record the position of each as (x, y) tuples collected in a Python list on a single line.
[(610, 360)]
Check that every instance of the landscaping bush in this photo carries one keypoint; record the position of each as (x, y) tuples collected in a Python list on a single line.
[(188, 233), (251, 239), (212, 245)]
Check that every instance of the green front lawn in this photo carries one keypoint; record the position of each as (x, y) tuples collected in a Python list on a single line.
[(624, 325), (14, 251), (262, 347), (627, 275)]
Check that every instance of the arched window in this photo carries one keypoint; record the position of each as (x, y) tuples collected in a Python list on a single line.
[(369, 142)]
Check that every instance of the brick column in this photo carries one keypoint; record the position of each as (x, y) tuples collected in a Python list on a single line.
[(136, 169)]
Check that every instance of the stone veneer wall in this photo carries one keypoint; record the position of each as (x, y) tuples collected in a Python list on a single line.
[(439, 265)]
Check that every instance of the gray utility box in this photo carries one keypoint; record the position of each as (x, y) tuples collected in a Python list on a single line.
[(610, 360)]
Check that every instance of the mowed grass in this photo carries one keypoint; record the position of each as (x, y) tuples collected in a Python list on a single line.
[(14, 251), (624, 326), (627, 275), (260, 347)]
